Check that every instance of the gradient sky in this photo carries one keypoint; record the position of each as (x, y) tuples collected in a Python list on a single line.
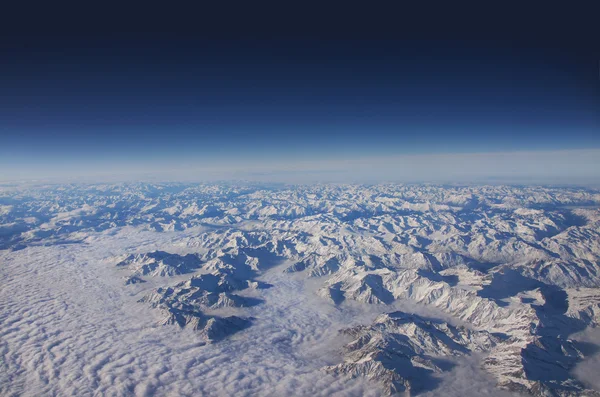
[(338, 84)]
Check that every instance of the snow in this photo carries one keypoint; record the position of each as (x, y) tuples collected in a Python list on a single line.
[(186, 289)]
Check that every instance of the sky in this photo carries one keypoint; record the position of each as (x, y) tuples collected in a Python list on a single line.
[(151, 91)]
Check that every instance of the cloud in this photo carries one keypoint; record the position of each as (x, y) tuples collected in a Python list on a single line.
[(467, 379), (69, 327), (559, 166), (587, 370)]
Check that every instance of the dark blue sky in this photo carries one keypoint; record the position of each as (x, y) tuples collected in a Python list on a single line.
[(366, 82)]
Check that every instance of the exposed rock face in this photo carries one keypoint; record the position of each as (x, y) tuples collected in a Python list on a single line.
[(184, 303), (159, 264), (401, 350), (213, 290), (212, 328)]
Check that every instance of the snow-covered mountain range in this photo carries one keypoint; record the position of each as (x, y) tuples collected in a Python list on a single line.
[(508, 274)]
